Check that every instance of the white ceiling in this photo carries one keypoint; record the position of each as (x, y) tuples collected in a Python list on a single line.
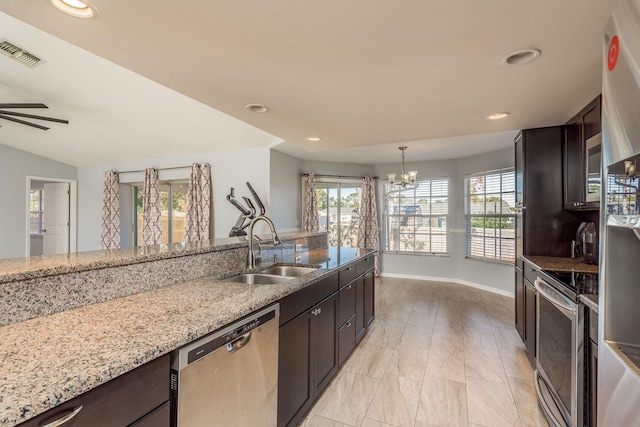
[(362, 73)]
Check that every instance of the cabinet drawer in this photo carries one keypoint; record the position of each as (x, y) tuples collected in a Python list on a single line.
[(364, 265), (119, 402), (346, 339), (530, 271), (160, 417), (346, 303), (305, 298), (347, 274)]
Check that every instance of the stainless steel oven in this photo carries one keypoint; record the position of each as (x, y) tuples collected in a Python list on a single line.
[(559, 375)]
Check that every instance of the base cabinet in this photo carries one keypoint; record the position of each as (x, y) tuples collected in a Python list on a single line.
[(295, 391), (315, 343), (138, 398)]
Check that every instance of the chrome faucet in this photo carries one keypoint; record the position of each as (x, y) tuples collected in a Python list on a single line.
[(251, 260)]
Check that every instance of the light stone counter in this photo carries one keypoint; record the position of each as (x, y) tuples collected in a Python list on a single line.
[(49, 360), (16, 269)]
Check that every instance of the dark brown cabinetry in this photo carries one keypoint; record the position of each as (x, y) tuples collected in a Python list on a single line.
[(543, 227), (324, 343), (307, 357), (138, 398), (316, 340), (581, 158), (295, 391), (525, 300)]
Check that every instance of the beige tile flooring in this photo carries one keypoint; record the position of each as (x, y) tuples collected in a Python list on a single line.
[(438, 354)]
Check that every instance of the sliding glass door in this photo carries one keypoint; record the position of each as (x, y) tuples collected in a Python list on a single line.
[(338, 210)]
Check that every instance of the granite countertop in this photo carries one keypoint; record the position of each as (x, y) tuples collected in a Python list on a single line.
[(49, 360), (561, 264), (32, 267)]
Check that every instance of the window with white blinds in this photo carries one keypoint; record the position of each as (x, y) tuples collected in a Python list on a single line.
[(416, 219), (490, 215)]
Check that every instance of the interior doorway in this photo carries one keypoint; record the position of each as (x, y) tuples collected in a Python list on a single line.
[(51, 216)]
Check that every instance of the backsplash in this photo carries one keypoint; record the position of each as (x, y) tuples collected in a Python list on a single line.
[(45, 294)]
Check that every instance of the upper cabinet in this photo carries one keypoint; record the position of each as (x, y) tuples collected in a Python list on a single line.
[(582, 158)]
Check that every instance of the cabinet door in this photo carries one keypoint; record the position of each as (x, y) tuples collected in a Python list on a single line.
[(519, 301), (573, 164), (360, 322), (346, 339), (530, 321), (519, 186), (295, 392), (324, 343), (369, 297)]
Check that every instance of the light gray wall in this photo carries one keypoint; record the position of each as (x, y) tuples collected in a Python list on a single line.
[(286, 199), (228, 169), (424, 265), (455, 266), (331, 168), (500, 276), (15, 166)]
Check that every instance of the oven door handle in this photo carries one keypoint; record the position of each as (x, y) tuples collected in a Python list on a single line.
[(546, 291)]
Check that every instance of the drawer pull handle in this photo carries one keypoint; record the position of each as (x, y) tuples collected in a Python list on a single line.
[(348, 286), (347, 269), (63, 420), (317, 311), (348, 325)]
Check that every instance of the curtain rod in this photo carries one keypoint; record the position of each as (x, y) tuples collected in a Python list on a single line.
[(159, 169), (336, 176)]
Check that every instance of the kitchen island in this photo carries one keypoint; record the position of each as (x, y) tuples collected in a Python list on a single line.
[(51, 359)]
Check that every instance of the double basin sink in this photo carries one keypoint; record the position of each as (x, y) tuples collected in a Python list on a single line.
[(272, 276)]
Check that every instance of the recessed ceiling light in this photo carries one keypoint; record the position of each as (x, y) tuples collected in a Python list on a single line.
[(256, 108), (498, 116), (313, 138), (521, 56), (77, 8)]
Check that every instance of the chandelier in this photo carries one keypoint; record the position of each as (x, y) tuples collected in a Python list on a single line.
[(407, 179)]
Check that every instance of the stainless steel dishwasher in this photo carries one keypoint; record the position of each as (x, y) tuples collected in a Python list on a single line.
[(229, 378)]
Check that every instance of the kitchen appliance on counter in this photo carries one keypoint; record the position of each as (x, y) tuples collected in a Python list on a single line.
[(619, 335), (585, 246), (559, 374), (230, 377)]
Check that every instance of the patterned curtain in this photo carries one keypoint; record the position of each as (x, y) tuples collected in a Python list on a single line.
[(151, 224), (368, 237), (198, 203), (310, 205), (110, 236)]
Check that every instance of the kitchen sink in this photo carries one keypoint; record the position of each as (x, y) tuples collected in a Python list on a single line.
[(258, 279), (289, 270)]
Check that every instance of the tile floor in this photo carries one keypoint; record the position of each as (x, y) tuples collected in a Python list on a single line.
[(438, 354)]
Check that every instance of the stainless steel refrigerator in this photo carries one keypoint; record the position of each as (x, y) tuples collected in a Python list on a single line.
[(619, 340)]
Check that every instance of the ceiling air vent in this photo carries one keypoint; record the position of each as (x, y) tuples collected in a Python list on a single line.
[(14, 52)]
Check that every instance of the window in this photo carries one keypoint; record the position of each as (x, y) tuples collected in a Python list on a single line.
[(338, 203), (490, 215), (35, 211), (172, 215), (417, 219)]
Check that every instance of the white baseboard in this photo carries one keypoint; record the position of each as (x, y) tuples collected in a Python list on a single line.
[(449, 280)]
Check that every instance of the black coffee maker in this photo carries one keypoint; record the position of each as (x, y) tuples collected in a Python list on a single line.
[(585, 246)]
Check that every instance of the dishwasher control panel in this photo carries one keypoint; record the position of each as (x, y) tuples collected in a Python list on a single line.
[(229, 334)]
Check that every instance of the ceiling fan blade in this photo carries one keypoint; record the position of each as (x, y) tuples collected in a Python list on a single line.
[(11, 119), (29, 105), (32, 116)]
